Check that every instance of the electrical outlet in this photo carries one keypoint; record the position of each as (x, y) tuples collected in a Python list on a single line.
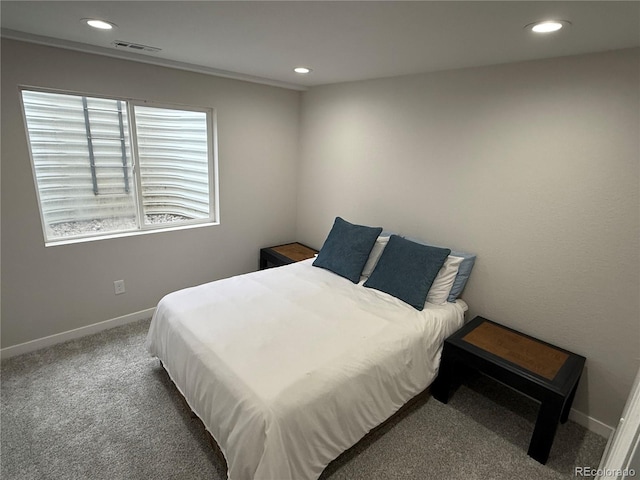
[(118, 286)]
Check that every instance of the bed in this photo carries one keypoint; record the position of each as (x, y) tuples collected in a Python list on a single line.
[(289, 367)]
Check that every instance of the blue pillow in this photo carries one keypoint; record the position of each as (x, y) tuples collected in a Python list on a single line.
[(464, 270), (347, 248), (407, 270)]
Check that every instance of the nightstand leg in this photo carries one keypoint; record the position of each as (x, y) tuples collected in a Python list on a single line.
[(545, 430)]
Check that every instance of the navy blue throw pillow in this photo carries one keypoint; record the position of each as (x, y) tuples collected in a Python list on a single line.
[(407, 270), (347, 248)]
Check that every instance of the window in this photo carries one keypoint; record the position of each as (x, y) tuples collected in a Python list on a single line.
[(105, 166)]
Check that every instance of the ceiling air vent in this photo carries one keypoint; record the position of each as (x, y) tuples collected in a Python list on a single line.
[(135, 47)]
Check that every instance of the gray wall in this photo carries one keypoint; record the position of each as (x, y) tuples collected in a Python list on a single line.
[(56, 289), (533, 166)]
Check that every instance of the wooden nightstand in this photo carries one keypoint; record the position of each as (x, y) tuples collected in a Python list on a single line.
[(285, 254), (538, 369)]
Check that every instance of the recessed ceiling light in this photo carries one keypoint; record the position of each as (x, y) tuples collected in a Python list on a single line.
[(547, 26), (302, 70), (99, 24)]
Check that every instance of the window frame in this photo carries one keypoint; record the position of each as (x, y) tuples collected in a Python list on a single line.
[(141, 227)]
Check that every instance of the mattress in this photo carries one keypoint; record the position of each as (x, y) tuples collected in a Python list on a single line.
[(289, 367)]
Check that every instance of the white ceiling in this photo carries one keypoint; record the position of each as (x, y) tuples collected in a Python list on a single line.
[(341, 40)]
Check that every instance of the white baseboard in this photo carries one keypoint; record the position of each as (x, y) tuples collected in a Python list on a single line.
[(591, 424), (75, 333)]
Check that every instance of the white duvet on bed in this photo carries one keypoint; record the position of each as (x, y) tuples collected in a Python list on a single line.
[(289, 367)]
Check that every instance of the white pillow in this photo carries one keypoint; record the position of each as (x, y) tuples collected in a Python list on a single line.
[(439, 291), (374, 255)]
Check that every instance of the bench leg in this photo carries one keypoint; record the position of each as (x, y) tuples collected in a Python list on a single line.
[(545, 429), (567, 405), (441, 386)]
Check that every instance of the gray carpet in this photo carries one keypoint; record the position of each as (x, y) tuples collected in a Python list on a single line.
[(100, 408)]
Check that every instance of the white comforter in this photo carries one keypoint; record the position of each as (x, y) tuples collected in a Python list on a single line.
[(289, 367)]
